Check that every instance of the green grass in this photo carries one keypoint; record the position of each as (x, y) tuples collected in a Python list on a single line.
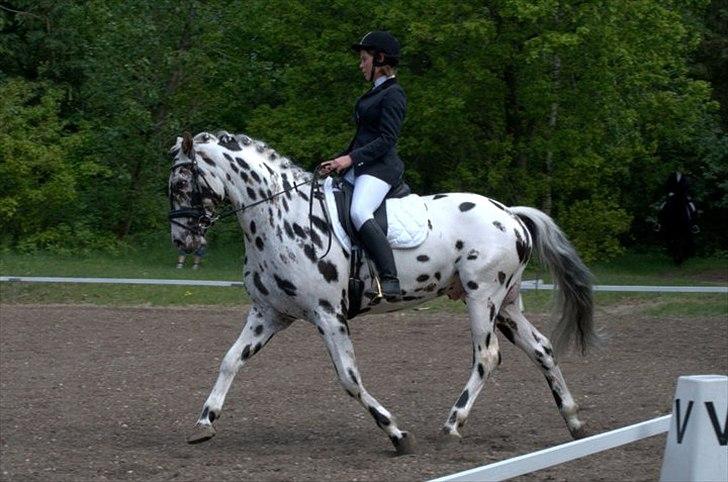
[(225, 262)]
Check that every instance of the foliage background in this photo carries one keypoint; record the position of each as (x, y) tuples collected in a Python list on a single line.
[(578, 108)]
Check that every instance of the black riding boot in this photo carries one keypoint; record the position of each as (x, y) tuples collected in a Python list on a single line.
[(376, 244)]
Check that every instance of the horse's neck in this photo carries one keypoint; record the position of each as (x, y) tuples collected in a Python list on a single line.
[(269, 191)]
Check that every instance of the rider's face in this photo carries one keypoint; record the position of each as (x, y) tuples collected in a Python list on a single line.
[(365, 64)]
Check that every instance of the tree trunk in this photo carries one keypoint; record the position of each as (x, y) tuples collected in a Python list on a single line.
[(159, 114)]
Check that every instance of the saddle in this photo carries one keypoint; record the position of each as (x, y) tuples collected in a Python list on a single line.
[(406, 226), (343, 194)]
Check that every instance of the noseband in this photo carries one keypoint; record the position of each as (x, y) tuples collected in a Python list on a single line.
[(196, 210)]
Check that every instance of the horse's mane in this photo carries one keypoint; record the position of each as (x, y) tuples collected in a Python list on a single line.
[(237, 142)]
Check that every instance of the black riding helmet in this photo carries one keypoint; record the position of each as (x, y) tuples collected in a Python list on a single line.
[(377, 42)]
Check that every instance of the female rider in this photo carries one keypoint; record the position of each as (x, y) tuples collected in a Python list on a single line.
[(371, 162)]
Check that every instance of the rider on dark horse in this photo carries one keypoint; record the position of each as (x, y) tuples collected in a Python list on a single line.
[(371, 163)]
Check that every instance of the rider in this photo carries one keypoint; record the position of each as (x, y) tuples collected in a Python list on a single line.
[(371, 163)]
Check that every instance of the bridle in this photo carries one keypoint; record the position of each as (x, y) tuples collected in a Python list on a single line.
[(196, 210), (205, 219)]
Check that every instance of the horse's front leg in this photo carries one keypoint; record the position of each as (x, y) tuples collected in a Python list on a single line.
[(335, 332), (259, 328)]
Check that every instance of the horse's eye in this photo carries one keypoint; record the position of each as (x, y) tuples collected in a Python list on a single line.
[(180, 185)]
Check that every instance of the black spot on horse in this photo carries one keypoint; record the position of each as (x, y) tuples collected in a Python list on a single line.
[(466, 206), (212, 416), (205, 412), (259, 284), (381, 419), (258, 330), (244, 177), (438, 276), (453, 418), (501, 277), (289, 230), (481, 370), (315, 238), (352, 375), (557, 398), (459, 244), (299, 231), (505, 329), (320, 330), (422, 278), (522, 247), (463, 399), (326, 306), (309, 252), (255, 176), (492, 312), (229, 143), (242, 163), (472, 285), (328, 270), (286, 286), (267, 167), (439, 196), (259, 243), (207, 160), (251, 194), (429, 224), (320, 224), (487, 340), (246, 353), (423, 258), (227, 176), (473, 255)]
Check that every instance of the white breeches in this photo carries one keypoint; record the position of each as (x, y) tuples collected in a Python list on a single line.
[(369, 192)]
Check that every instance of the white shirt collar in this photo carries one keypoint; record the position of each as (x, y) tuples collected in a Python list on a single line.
[(380, 80)]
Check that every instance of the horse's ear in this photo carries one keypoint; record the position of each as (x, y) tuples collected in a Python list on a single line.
[(187, 143)]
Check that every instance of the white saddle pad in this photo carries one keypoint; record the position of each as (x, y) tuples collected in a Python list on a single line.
[(407, 219)]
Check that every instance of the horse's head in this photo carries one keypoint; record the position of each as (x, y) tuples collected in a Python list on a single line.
[(192, 196)]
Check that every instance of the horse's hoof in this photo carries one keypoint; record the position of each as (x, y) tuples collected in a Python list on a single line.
[(448, 438), (405, 445), (581, 432), (201, 433)]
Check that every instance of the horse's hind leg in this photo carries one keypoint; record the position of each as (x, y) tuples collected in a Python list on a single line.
[(486, 356), (519, 331), (259, 328), (335, 332)]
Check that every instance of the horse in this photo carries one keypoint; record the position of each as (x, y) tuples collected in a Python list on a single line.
[(476, 251)]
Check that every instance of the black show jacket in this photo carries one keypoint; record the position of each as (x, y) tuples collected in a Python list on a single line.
[(379, 116)]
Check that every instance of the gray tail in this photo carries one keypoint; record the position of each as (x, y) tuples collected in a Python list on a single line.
[(574, 304)]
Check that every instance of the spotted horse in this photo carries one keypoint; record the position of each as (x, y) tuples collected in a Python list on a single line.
[(476, 250)]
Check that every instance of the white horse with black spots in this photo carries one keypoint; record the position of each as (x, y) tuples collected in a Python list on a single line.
[(477, 250)]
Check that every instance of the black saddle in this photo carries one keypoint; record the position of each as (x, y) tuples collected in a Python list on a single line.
[(343, 198)]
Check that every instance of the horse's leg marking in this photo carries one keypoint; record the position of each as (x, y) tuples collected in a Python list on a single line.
[(486, 354), (341, 350), (538, 348), (258, 330)]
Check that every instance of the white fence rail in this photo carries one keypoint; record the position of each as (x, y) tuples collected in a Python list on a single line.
[(559, 454), (525, 284)]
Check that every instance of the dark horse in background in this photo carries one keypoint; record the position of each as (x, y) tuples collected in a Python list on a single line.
[(678, 218)]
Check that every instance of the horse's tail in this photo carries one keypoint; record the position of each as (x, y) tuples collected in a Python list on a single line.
[(574, 305)]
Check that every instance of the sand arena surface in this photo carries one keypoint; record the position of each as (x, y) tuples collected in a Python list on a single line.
[(111, 393)]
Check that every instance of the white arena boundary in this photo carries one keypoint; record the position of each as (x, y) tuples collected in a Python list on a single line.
[(526, 285), (559, 454)]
